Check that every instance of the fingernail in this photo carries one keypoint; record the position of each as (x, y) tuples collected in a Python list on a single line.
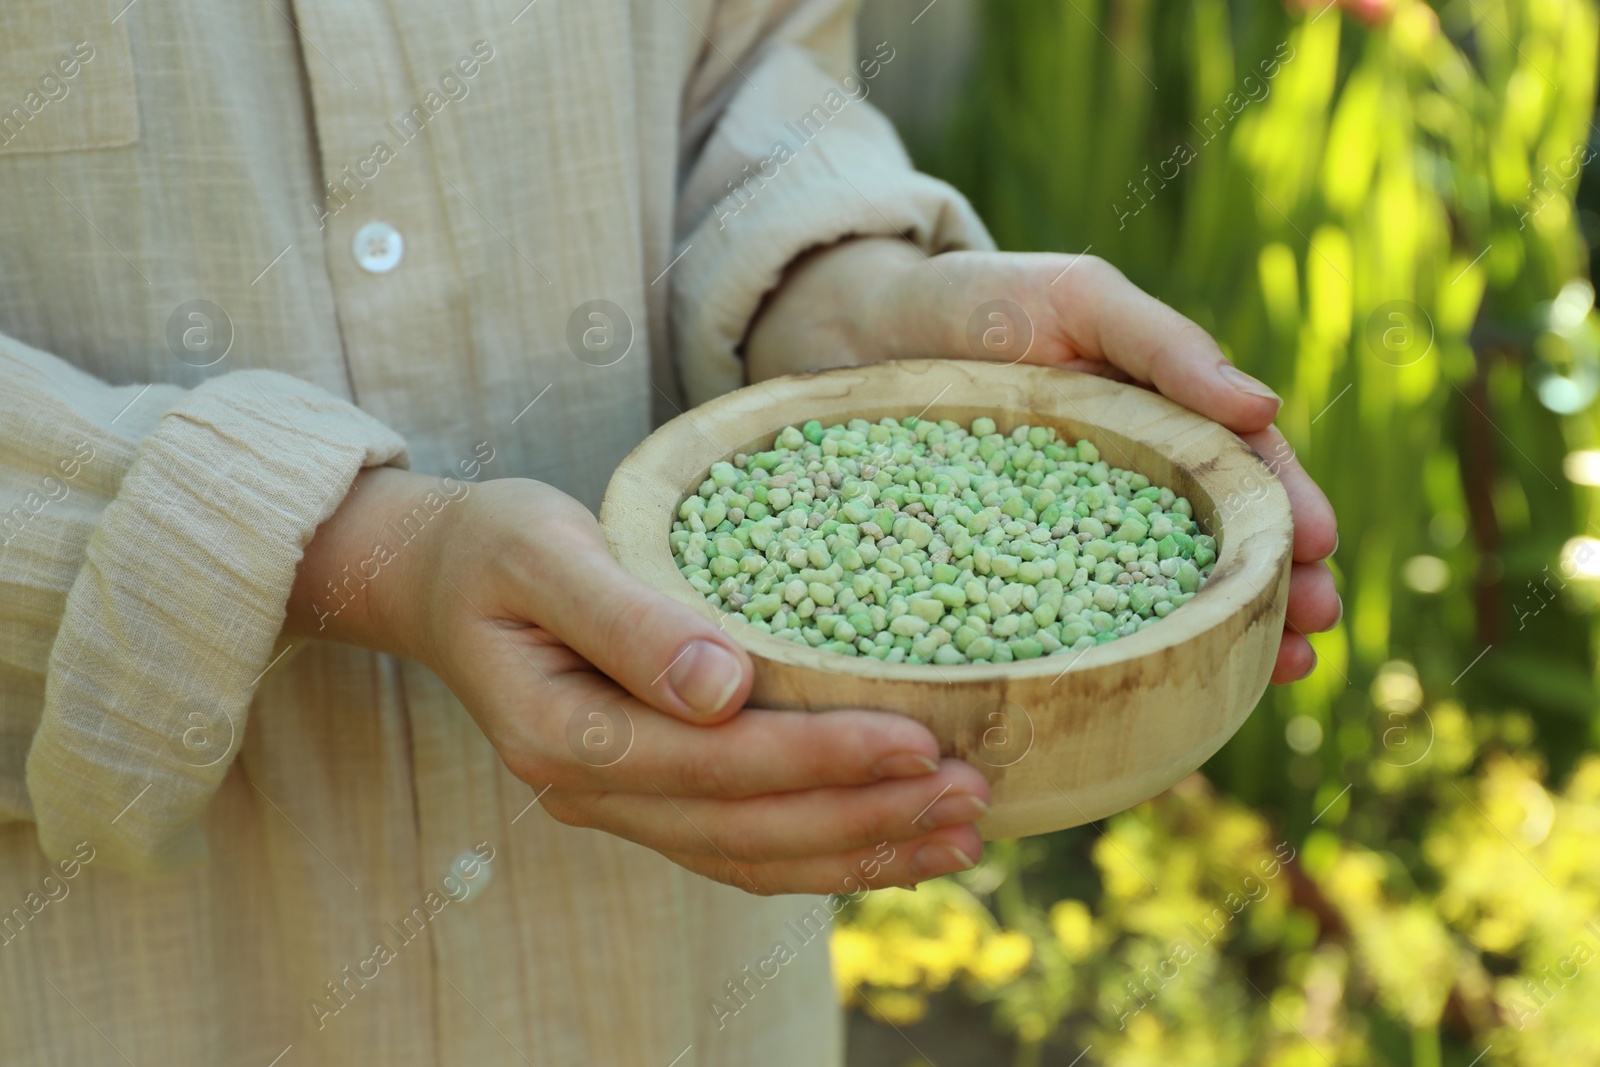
[(950, 811), (1335, 543), (704, 676), (904, 765), (931, 861), (1241, 381)]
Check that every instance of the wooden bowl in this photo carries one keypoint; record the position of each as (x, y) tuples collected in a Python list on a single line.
[(1062, 739)]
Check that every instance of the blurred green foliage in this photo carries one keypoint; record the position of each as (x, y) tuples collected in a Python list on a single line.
[(1372, 207)]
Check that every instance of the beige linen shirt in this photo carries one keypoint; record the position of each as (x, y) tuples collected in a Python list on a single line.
[(246, 249)]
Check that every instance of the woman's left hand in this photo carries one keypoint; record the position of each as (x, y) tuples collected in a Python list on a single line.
[(868, 300)]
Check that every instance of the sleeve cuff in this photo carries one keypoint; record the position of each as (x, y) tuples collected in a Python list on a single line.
[(779, 184), (176, 612)]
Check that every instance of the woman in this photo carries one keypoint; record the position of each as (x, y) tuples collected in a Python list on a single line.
[(323, 328)]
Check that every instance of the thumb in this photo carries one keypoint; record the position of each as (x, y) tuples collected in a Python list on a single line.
[(663, 652)]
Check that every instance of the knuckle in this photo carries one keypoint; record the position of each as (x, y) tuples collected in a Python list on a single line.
[(842, 746), (567, 520), (729, 873), (1099, 270), (1191, 335), (863, 824), (765, 888), (964, 777), (527, 767), (829, 755), (565, 809), (854, 738), (626, 621), (733, 840), (538, 770)]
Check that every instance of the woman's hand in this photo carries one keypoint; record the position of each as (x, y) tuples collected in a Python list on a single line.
[(874, 299), (623, 707)]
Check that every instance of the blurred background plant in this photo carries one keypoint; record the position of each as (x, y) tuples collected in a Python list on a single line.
[(1376, 206)]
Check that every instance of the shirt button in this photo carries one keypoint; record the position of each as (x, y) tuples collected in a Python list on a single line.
[(472, 874), (378, 247)]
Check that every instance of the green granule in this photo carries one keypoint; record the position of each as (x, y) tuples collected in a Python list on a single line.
[(917, 541)]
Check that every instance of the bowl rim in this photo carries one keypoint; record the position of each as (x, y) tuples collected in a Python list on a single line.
[(1253, 542)]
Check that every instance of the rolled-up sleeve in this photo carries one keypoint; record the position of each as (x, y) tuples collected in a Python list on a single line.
[(151, 548), (792, 157)]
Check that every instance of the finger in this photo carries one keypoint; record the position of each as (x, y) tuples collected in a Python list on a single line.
[(1316, 527), (1296, 659), (813, 822), (663, 652), (1314, 603), (886, 864), (1105, 316), (609, 742), (762, 751)]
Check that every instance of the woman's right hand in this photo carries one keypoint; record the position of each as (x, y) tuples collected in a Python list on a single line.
[(624, 709)]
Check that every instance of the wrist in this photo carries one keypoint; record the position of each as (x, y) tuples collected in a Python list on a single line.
[(365, 576), (834, 307)]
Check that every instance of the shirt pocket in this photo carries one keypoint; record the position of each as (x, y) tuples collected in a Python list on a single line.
[(66, 76)]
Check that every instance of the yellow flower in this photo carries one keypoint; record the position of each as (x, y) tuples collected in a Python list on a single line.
[(1002, 958), (1073, 926), (897, 1006), (855, 958)]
